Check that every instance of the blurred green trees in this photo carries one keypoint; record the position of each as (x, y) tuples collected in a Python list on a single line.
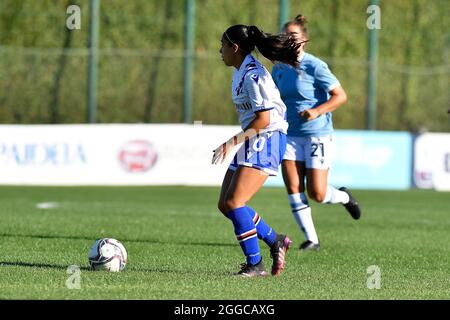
[(43, 66)]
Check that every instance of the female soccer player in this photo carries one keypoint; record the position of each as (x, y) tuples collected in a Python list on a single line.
[(262, 118), (311, 92)]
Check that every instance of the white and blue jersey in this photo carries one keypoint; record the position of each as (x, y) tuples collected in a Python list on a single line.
[(306, 87), (253, 90)]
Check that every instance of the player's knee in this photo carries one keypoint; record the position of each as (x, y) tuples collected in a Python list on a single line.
[(232, 203), (317, 196)]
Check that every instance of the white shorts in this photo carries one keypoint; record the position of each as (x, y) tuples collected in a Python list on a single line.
[(316, 152)]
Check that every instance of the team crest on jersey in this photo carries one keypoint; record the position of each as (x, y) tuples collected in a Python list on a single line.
[(255, 78)]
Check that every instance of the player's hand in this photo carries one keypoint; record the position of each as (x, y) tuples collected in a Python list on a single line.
[(221, 153), (309, 114)]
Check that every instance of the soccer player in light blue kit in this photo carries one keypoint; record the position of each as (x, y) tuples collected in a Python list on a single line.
[(263, 137), (311, 92)]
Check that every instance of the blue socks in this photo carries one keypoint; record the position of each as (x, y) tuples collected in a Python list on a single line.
[(265, 233), (245, 231), (248, 227)]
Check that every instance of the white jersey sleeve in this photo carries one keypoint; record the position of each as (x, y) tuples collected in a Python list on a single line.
[(257, 86)]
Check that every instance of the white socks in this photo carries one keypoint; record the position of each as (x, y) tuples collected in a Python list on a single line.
[(334, 195), (302, 211), (302, 214)]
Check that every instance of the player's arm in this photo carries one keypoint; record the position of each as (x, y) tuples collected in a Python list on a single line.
[(338, 98), (256, 89), (261, 121), (329, 83)]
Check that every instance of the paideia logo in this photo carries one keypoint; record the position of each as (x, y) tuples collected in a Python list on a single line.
[(138, 156)]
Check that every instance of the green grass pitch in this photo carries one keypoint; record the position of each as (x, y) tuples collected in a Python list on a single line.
[(181, 247)]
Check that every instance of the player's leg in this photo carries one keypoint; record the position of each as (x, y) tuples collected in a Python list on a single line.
[(223, 191), (270, 147), (317, 170), (293, 169), (264, 231), (245, 183), (317, 184), (278, 243), (277, 143)]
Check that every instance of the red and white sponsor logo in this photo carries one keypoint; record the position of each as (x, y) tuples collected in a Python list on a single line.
[(138, 156)]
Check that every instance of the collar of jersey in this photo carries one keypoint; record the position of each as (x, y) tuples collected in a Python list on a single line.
[(301, 56), (246, 61)]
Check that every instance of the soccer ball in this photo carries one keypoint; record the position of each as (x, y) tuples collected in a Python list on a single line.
[(108, 254)]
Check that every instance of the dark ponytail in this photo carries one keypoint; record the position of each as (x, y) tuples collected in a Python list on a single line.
[(275, 47), (255, 34)]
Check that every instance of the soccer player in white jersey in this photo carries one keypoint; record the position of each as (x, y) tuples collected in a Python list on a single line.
[(263, 137), (311, 92)]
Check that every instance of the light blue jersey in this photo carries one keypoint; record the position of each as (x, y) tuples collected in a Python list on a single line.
[(304, 88)]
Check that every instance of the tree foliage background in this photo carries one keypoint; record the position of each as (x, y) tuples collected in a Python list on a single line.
[(43, 65)]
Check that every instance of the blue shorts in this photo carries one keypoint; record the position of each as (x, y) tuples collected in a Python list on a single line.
[(263, 152)]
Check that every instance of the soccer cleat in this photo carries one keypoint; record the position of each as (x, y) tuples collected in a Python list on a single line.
[(278, 251), (248, 270), (352, 206), (309, 246)]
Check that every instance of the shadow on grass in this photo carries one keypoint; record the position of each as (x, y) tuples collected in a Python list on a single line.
[(151, 241), (36, 265), (64, 267)]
